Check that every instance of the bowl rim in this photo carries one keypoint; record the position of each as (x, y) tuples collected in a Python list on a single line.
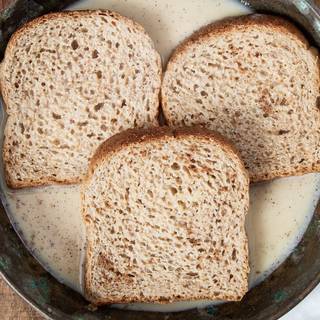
[(56, 314)]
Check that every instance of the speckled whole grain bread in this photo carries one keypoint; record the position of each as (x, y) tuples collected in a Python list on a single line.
[(254, 79), (164, 211), (70, 80)]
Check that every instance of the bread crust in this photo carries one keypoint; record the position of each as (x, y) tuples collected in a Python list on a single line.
[(175, 298), (133, 136), (12, 183), (227, 25), (234, 24), (141, 136)]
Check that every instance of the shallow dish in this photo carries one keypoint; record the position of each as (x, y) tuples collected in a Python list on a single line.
[(288, 285)]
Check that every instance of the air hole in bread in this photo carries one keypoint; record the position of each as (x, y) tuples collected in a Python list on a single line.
[(56, 116), (173, 191), (182, 205), (98, 106), (95, 54), (175, 166), (74, 44)]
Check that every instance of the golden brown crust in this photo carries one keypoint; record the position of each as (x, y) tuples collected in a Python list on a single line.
[(4, 85)]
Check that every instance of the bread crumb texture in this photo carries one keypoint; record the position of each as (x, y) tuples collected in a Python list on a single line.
[(165, 221), (69, 81), (255, 80)]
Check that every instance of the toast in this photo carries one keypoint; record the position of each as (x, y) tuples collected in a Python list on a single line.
[(69, 81), (164, 211), (255, 80)]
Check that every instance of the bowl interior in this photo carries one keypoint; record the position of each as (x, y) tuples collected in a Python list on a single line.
[(283, 289)]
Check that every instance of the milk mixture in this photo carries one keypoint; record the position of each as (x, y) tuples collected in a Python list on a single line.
[(49, 220)]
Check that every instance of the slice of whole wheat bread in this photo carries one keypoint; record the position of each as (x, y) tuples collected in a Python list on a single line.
[(164, 211), (70, 80), (255, 79)]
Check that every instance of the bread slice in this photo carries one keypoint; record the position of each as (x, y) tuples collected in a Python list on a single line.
[(254, 79), (70, 80), (164, 211)]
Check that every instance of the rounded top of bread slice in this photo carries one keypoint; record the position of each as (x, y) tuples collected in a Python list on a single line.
[(70, 80), (131, 137), (164, 211), (254, 79)]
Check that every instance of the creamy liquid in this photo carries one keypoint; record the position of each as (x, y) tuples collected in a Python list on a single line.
[(49, 220)]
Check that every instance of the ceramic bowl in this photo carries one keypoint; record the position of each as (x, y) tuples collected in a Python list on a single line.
[(280, 292)]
